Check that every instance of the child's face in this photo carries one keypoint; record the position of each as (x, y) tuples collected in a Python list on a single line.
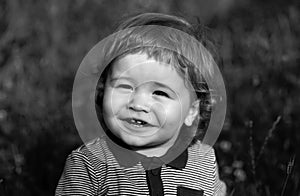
[(146, 102)]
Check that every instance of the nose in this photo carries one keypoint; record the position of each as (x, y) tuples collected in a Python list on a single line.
[(139, 102)]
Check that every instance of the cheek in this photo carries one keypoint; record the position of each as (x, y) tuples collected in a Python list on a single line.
[(110, 110), (107, 102), (169, 114), (113, 103)]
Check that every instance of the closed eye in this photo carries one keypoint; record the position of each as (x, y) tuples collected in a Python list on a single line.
[(161, 93)]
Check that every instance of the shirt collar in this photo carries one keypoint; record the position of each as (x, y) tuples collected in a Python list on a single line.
[(128, 158)]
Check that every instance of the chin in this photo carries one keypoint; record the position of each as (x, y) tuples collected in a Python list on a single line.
[(136, 141)]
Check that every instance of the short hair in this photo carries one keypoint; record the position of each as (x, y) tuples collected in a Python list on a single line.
[(144, 36)]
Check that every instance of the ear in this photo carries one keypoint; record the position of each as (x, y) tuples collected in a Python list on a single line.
[(192, 114)]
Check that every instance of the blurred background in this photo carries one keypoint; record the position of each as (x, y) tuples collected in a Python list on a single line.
[(43, 42)]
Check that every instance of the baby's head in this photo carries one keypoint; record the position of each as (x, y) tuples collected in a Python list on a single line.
[(149, 91)]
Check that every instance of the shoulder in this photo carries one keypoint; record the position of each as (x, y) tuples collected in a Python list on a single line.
[(201, 151), (93, 153), (202, 161), (83, 173), (96, 146)]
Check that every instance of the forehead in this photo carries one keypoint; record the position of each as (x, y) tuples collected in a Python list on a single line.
[(129, 61), (141, 66)]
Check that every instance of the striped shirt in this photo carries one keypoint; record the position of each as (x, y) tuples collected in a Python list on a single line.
[(94, 169)]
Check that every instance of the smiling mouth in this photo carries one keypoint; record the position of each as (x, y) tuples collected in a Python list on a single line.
[(139, 127), (138, 122)]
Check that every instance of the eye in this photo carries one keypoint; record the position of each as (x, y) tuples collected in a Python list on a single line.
[(161, 93), (125, 86)]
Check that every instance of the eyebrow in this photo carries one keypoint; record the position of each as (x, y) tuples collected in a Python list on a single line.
[(120, 78), (156, 83)]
